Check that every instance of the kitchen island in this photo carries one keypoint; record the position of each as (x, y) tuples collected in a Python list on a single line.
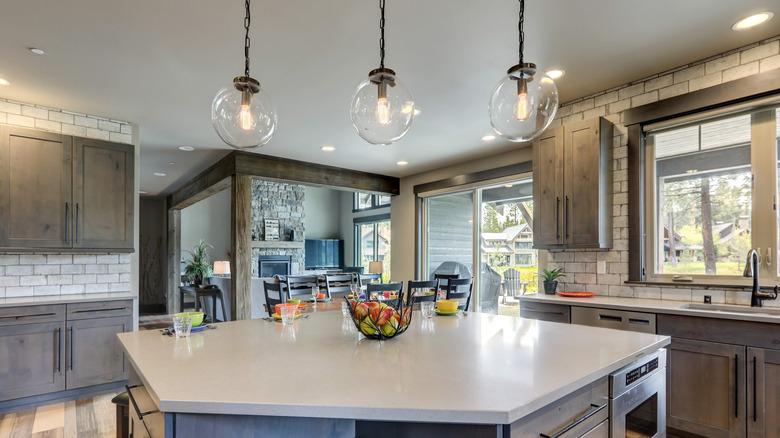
[(476, 373)]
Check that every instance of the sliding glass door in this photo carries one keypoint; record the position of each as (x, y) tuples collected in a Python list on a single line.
[(499, 242)]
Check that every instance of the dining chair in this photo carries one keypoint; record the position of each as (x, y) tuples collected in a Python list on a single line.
[(335, 283), (393, 288), (413, 287), (459, 288), (301, 285), (365, 279), (271, 302)]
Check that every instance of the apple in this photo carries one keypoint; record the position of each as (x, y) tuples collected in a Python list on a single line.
[(390, 328), (406, 316), (381, 315), (372, 304), (367, 326), (361, 311)]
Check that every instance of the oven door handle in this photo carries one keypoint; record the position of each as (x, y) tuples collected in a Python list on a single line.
[(576, 422)]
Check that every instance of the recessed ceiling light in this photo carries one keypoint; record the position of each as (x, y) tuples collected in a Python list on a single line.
[(328, 148), (753, 20), (555, 74), (488, 137), (402, 163), (507, 185), (186, 148), (171, 163), (4, 82), (158, 174), (36, 50)]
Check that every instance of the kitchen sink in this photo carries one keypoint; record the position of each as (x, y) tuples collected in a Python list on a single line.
[(732, 309)]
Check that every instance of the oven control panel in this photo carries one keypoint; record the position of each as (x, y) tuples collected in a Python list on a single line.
[(640, 371)]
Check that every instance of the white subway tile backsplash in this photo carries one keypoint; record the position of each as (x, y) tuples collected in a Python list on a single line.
[(52, 289), (71, 289), (9, 281), (72, 269), (96, 269), (9, 259), (47, 269), (681, 294), (96, 288), (107, 278), (32, 259), (119, 287), (60, 279), (32, 280), (108, 258), (85, 258), (23, 121), (19, 270), (84, 279), (59, 259), (118, 269), (19, 291), (34, 112)]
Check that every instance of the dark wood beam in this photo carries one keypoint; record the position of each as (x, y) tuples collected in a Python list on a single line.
[(241, 247), (212, 180), (302, 172), (752, 87), (470, 178)]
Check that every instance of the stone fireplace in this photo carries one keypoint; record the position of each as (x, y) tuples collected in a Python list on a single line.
[(282, 201)]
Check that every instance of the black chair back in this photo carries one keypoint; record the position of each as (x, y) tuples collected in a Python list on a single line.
[(393, 288), (278, 298), (301, 285), (420, 290), (459, 288), (352, 269), (335, 283)]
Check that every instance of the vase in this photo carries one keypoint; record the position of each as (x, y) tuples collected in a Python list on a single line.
[(549, 287)]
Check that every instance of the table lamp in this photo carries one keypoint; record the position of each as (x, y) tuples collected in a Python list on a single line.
[(374, 267), (222, 268)]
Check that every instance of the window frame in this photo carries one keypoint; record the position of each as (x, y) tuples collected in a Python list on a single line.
[(763, 159), (357, 223), (375, 202)]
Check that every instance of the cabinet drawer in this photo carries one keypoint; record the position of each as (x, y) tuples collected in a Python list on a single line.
[(727, 331), (614, 319), (100, 309), (31, 314), (544, 311), (572, 416)]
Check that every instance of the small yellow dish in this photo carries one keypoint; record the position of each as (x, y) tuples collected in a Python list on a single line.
[(447, 305)]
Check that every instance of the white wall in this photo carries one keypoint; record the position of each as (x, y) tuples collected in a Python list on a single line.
[(209, 220), (323, 214)]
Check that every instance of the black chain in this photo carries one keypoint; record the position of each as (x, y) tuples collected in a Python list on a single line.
[(247, 42), (520, 28), (382, 36)]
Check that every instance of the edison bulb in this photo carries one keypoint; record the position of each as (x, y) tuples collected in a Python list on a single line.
[(377, 109), (243, 115), (523, 104)]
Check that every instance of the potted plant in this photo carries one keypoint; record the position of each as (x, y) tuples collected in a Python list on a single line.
[(550, 279), (199, 268)]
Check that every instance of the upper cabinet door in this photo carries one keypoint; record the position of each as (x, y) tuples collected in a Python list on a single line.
[(548, 189), (35, 189), (104, 181), (588, 183)]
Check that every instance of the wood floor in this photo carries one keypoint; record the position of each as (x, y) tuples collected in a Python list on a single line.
[(88, 418)]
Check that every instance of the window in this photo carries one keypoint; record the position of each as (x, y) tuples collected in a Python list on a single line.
[(711, 190), (372, 243), (365, 201)]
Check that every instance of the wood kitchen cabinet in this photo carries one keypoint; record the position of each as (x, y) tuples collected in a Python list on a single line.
[(55, 351), (62, 192), (572, 169), (763, 392)]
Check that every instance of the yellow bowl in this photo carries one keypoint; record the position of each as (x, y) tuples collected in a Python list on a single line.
[(197, 317), (447, 305)]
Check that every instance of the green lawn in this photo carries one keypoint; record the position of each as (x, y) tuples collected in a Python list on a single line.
[(697, 268)]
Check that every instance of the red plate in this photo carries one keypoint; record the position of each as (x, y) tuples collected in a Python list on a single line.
[(577, 294)]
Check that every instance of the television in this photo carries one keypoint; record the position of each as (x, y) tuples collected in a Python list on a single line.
[(324, 253)]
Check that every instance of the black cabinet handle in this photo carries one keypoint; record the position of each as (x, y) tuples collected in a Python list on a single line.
[(31, 315), (736, 386), (610, 318), (70, 329), (59, 350), (77, 222), (755, 397), (111, 309), (557, 218), (567, 217), (576, 422), (67, 223), (638, 321)]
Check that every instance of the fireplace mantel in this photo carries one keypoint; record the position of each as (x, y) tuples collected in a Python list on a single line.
[(288, 244)]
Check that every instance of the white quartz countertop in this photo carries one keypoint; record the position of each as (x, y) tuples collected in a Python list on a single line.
[(472, 368), (64, 299), (656, 306)]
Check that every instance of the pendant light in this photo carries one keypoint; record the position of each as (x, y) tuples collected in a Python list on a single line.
[(242, 114), (382, 107), (523, 104)]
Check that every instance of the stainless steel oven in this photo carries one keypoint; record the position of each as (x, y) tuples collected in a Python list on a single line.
[(637, 398)]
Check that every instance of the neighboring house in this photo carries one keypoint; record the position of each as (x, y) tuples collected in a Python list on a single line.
[(512, 247), (723, 233), (367, 244)]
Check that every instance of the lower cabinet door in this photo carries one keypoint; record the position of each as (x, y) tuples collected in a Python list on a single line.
[(705, 387), (94, 355), (763, 393), (31, 359)]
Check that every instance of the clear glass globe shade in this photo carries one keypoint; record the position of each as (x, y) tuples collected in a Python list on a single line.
[(376, 123), (538, 110), (240, 128)]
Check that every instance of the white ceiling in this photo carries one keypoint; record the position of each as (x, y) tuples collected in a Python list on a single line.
[(160, 63)]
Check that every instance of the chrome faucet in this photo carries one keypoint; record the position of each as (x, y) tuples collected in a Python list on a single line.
[(751, 270)]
